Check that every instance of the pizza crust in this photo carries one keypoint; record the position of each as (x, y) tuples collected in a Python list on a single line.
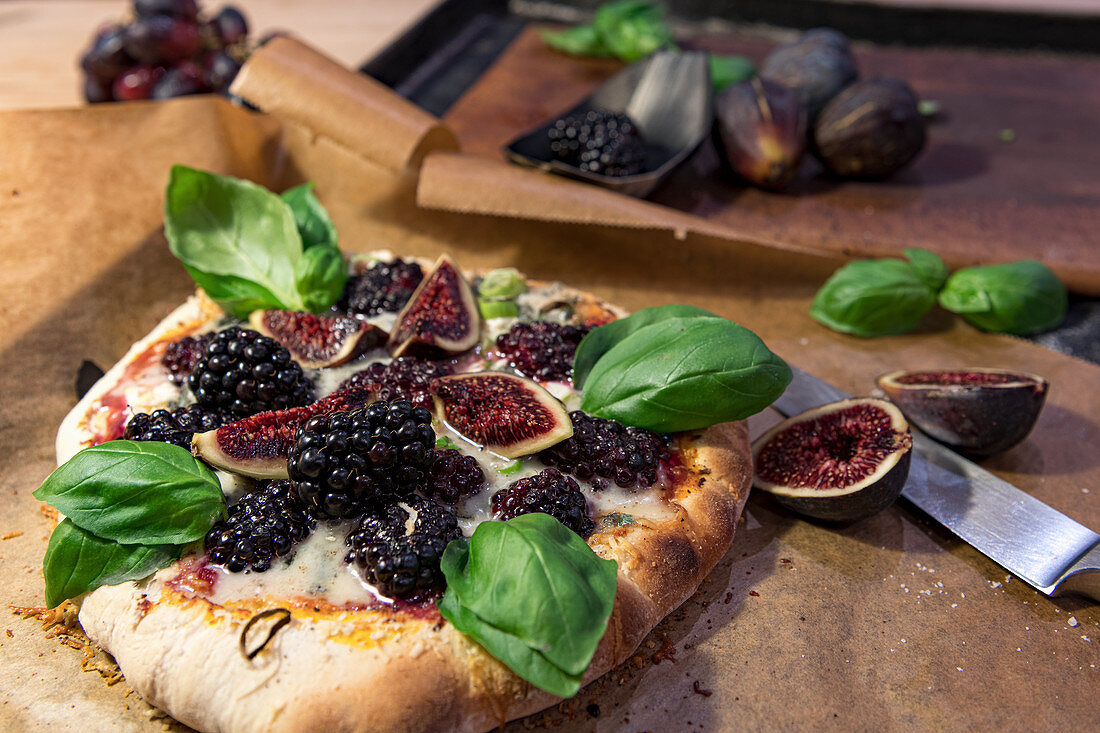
[(373, 671)]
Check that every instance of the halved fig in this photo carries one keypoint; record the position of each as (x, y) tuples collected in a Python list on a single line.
[(839, 462), (441, 316), (258, 446), (506, 414), (318, 341), (976, 411)]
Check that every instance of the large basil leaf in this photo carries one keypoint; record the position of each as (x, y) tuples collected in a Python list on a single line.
[(600, 340), (1019, 297), (234, 295), (537, 583), (224, 226), (132, 492), (77, 561), (314, 224), (526, 662), (929, 267), (684, 374), (873, 298), (322, 274)]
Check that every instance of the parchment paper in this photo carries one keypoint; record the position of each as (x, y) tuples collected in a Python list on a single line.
[(888, 624)]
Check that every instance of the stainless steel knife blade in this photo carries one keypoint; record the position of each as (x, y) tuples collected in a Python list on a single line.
[(1033, 541)]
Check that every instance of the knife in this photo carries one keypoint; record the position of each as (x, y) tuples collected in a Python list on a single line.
[(1036, 543)]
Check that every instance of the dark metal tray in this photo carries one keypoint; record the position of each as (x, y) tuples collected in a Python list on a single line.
[(442, 55)]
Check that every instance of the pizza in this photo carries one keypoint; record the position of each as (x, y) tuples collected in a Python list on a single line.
[(319, 602)]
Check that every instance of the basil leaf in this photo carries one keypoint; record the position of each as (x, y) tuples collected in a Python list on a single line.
[(632, 29), (234, 295), (873, 298), (223, 226), (1019, 297), (929, 267), (77, 561), (536, 580), (321, 276), (684, 374), (727, 70), (133, 492), (520, 658), (599, 341), (313, 222), (581, 40)]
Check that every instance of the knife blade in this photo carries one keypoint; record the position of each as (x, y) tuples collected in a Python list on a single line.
[(1033, 541)]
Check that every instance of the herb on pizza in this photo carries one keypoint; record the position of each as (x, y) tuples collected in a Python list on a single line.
[(250, 249), (534, 595), (675, 368), (131, 508)]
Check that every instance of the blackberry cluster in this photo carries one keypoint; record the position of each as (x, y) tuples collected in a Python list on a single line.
[(343, 461), (453, 476), (604, 451), (261, 526), (598, 141), (549, 492), (175, 427), (181, 356), (244, 373), (397, 562), (541, 350), (385, 287), (404, 378)]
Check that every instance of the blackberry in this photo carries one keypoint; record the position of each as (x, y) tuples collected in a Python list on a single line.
[(397, 562), (261, 526), (181, 356), (406, 377), (453, 476), (549, 492), (343, 461), (175, 427), (385, 287), (244, 373), (606, 451), (541, 350), (598, 141)]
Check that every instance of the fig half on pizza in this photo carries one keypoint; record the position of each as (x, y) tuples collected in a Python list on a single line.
[(374, 493)]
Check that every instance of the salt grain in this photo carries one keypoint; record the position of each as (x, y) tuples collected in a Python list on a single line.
[(1073, 621)]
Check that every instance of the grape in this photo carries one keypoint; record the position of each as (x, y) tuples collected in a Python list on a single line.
[(229, 25), (161, 39), (220, 70), (187, 9), (97, 90), (179, 82), (107, 58), (136, 83)]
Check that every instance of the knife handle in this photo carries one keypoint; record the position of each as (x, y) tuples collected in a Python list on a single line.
[(1082, 577)]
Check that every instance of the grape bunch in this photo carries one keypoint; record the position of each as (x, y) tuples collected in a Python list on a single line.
[(168, 49)]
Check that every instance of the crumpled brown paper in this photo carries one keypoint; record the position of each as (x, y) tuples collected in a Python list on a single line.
[(883, 625)]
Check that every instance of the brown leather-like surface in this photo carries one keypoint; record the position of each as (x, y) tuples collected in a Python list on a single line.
[(888, 624), (969, 196)]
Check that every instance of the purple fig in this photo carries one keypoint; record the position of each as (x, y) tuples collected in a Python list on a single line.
[(760, 132)]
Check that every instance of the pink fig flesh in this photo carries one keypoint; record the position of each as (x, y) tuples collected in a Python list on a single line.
[(441, 316), (317, 341), (975, 411), (506, 414), (839, 462), (258, 446)]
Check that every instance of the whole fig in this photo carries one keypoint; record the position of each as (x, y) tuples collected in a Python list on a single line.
[(760, 131), (870, 130), (817, 65)]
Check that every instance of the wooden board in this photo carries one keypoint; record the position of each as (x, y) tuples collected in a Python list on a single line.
[(970, 196)]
